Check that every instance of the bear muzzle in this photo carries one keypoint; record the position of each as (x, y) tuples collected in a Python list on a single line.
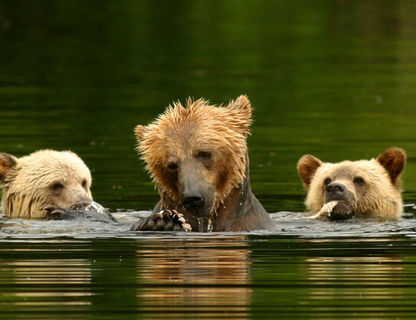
[(193, 203), (196, 193), (197, 205), (335, 191)]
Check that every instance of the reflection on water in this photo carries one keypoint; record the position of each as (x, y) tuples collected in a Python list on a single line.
[(374, 286), (164, 276), (339, 279), (48, 272), (348, 278), (207, 277), (35, 279)]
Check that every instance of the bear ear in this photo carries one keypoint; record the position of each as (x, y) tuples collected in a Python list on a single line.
[(139, 130), (242, 106), (7, 163), (393, 160), (307, 166)]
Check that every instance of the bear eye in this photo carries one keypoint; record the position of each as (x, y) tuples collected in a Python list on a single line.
[(358, 180), (327, 181), (172, 166), (57, 186), (206, 155), (84, 183)]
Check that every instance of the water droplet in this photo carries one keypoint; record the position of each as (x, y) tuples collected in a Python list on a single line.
[(200, 224), (210, 226)]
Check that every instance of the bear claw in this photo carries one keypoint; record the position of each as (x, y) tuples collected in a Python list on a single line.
[(164, 220), (53, 212)]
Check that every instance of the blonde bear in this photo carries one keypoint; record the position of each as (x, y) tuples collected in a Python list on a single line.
[(361, 188), (46, 177)]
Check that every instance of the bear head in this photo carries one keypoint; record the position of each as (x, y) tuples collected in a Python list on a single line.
[(45, 177), (197, 153), (364, 187)]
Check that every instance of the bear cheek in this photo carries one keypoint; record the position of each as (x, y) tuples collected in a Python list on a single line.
[(166, 180), (211, 173), (60, 199), (222, 185), (362, 193), (222, 181), (315, 197), (86, 193)]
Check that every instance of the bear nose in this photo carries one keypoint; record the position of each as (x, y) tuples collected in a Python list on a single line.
[(335, 191), (193, 203)]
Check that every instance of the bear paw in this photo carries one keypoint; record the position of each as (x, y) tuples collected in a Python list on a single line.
[(164, 220), (55, 213)]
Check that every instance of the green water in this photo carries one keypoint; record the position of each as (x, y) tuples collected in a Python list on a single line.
[(335, 79)]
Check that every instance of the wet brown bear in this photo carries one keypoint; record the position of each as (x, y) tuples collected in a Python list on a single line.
[(45, 177), (364, 187), (197, 156)]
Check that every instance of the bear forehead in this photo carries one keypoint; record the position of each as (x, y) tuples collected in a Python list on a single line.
[(197, 116), (351, 169), (188, 136), (54, 164), (178, 148), (194, 110), (191, 126)]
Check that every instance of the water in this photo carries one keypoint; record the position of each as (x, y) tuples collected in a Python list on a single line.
[(332, 78), (162, 276)]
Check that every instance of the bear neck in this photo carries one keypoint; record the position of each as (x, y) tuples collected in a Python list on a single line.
[(233, 207), (241, 211)]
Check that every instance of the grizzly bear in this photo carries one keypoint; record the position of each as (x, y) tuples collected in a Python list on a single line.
[(368, 188), (197, 156), (46, 177)]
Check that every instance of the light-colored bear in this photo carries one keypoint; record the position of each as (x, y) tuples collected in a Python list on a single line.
[(362, 188), (46, 177)]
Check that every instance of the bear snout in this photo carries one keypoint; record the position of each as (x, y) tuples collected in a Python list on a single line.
[(335, 191), (193, 203)]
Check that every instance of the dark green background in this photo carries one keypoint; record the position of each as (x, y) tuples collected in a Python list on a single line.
[(333, 78)]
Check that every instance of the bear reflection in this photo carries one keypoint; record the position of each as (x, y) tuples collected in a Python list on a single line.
[(199, 275), (358, 283)]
